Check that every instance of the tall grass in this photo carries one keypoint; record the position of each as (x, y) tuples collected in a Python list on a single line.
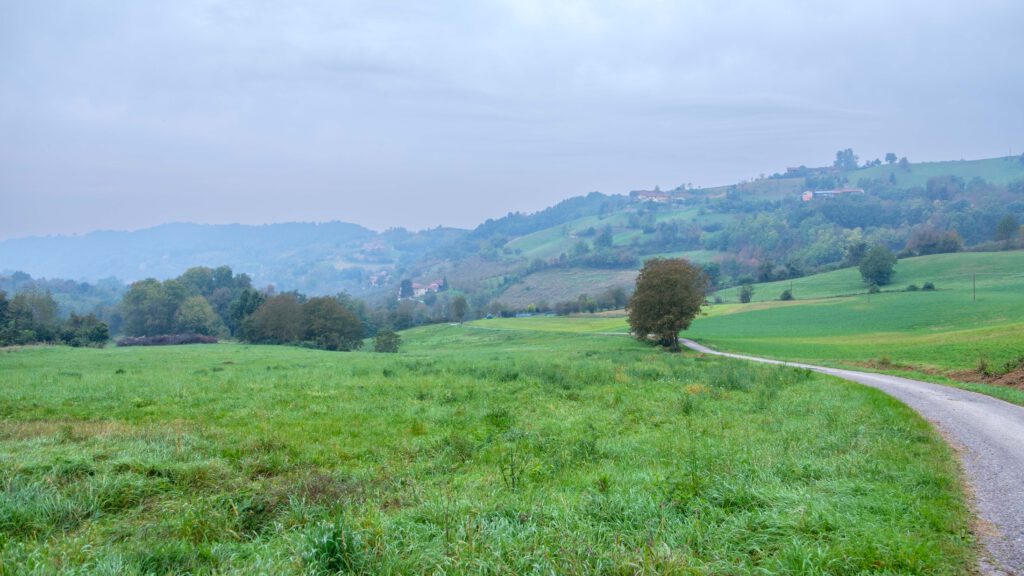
[(472, 452)]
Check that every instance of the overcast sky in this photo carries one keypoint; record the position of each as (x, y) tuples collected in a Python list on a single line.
[(126, 114)]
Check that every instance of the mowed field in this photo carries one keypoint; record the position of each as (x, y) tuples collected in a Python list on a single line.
[(474, 451)]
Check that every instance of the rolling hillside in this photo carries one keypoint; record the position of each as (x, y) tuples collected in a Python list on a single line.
[(756, 230), (973, 316)]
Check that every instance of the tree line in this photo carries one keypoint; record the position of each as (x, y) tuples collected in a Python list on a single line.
[(31, 317)]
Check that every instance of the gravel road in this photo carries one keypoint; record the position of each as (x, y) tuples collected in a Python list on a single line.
[(988, 435)]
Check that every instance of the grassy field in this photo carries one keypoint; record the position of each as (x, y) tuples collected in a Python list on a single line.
[(976, 315), (474, 451), (563, 284), (948, 329), (995, 170)]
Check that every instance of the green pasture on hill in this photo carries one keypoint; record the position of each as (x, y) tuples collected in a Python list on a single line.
[(995, 170), (477, 450), (976, 313)]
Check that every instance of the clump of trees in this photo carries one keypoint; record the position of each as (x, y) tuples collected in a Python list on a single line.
[(206, 301), (387, 340), (31, 317), (746, 293), (669, 295), (289, 318), (1008, 229), (877, 266), (925, 241)]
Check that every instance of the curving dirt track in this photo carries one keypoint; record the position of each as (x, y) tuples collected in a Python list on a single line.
[(988, 435)]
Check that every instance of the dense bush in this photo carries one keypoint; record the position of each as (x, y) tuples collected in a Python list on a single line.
[(746, 293), (202, 300), (84, 331), (322, 322), (877, 266), (31, 317), (167, 340), (387, 341)]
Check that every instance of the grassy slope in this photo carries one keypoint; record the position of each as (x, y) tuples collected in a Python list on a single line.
[(944, 329), (562, 284), (834, 320), (473, 451), (551, 242), (995, 170), (941, 331)]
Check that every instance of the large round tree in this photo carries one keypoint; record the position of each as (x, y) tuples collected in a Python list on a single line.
[(669, 294)]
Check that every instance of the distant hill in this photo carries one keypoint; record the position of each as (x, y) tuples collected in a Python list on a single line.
[(314, 258), (757, 230)]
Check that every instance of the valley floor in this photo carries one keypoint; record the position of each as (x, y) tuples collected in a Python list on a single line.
[(472, 451)]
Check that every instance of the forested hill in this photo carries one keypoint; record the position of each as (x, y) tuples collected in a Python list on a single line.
[(763, 229)]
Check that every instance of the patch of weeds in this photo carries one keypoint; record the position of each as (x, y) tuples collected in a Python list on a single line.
[(499, 418), (764, 394), (733, 377), (644, 373), (689, 403), (335, 548), (142, 402), (170, 557), (459, 448), (507, 375), (253, 513), (71, 471), (417, 428), (119, 371), (512, 464)]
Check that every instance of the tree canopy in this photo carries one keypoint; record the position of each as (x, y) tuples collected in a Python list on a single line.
[(877, 266), (669, 295)]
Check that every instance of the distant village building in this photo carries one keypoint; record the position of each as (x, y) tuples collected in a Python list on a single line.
[(422, 289), (812, 194), (650, 196)]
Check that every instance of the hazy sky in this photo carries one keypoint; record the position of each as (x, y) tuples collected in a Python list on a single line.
[(125, 114)]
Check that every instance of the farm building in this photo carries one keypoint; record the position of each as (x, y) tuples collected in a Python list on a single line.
[(650, 196), (812, 194)]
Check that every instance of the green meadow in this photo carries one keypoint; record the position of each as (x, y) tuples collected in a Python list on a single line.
[(974, 318), (975, 315), (476, 450)]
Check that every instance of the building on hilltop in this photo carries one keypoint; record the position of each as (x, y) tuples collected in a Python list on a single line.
[(655, 195), (812, 194), (419, 290)]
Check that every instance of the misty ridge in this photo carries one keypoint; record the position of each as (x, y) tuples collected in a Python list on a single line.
[(764, 228)]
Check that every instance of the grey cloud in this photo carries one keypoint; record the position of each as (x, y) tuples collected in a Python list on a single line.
[(124, 114)]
